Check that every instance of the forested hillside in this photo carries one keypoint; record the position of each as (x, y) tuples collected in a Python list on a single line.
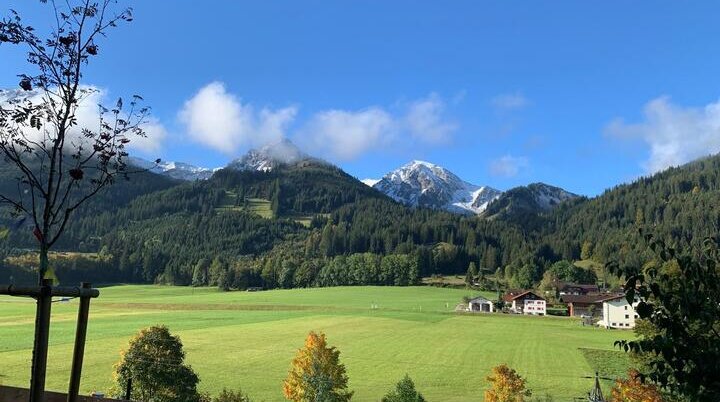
[(322, 227), (680, 205)]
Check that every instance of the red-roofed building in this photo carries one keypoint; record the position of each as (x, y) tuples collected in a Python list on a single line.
[(585, 305), (525, 302)]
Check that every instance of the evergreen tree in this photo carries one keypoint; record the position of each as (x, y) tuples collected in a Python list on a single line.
[(472, 273), (200, 273), (231, 396), (216, 272), (275, 200), (404, 392)]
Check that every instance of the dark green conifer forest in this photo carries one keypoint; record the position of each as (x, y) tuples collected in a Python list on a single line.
[(325, 228)]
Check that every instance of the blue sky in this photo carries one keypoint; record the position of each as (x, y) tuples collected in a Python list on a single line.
[(583, 95)]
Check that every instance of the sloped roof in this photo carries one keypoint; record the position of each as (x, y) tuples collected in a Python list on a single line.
[(588, 299), (588, 287), (515, 294)]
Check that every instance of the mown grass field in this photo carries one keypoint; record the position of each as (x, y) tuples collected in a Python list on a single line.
[(247, 339), (260, 207), (257, 206)]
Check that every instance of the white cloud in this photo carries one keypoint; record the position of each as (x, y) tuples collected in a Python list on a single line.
[(87, 116), (219, 120), (155, 135), (425, 121), (506, 102), (675, 134), (345, 135), (508, 165)]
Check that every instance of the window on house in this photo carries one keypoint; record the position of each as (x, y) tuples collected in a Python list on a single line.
[(627, 316), (625, 307)]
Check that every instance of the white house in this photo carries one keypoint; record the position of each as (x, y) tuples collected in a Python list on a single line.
[(618, 313), (481, 304), (525, 302)]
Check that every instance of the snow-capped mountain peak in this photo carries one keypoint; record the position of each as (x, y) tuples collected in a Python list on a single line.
[(425, 184), (269, 157), (370, 182), (176, 170)]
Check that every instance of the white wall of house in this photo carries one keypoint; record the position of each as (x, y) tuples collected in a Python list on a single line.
[(618, 313), (481, 302), (535, 307)]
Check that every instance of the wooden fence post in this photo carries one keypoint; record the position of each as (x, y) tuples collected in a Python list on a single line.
[(79, 351)]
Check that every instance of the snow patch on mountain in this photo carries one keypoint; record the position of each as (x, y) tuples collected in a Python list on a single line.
[(176, 170), (370, 182)]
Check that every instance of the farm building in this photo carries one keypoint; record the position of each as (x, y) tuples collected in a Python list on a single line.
[(618, 313), (585, 305), (481, 304), (567, 288), (525, 302)]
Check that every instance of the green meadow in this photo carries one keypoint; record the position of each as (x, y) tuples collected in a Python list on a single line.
[(247, 340)]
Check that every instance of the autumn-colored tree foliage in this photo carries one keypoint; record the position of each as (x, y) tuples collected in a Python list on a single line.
[(633, 389), (506, 385), (316, 373), (154, 361)]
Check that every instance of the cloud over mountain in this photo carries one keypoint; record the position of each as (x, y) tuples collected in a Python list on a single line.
[(219, 120), (347, 134), (675, 134), (87, 116)]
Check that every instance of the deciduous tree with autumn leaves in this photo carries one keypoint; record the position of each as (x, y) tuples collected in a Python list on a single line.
[(316, 373), (506, 385), (633, 389)]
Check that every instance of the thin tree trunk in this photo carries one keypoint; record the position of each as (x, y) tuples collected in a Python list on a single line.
[(43, 263), (42, 331)]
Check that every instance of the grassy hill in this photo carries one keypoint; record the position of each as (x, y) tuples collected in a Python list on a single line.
[(247, 339)]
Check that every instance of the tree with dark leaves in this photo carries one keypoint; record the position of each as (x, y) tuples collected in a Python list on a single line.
[(404, 392), (679, 296), (155, 362)]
